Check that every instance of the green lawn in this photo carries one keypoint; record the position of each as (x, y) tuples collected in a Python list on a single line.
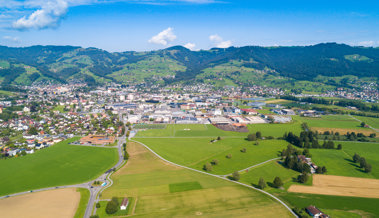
[(195, 152), (61, 164), (59, 108), (84, 197), (366, 207), (103, 204), (151, 182)]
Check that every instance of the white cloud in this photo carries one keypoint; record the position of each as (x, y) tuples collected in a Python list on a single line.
[(48, 16), (219, 42), (13, 39), (367, 43), (164, 37), (190, 46)]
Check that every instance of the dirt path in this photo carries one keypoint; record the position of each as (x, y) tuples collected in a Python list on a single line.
[(60, 203)]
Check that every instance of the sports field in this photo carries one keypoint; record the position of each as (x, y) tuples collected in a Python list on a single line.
[(163, 190), (195, 152), (340, 186), (61, 164), (60, 203)]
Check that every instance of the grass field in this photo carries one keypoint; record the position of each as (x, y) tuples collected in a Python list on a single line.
[(202, 130), (331, 121), (339, 205), (103, 204), (188, 130), (59, 108), (339, 162), (268, 172), (196, 152), (371, 121), (84, 197), (148, 180), (61, 164)]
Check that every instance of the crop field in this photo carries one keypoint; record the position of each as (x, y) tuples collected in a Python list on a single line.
[(268, 172), (331, 121), (163, 190), (340, 186), (339, 205), (61, 164), (60, 203), (198, 151)]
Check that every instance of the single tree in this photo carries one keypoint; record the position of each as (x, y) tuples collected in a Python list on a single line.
[(208, 167), (218, 138), (362, 162), (339, 147), (229, 156), (363, 124), (236, 176), (323, 170), (97, 205), (243, 150), (251, 137), (277, 182), (303, 178), (261, 183), (258, 135), (111, 208), (214, 162), (356, 158), (368, 168)]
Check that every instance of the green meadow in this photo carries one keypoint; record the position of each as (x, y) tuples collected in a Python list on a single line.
[(331, 121), (163, 190), (195, 152), (339, 162), (84, 197), (339, 206), (371, 121), (60, 164)]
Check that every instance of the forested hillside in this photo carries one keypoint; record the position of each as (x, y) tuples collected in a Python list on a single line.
[(232, 66)]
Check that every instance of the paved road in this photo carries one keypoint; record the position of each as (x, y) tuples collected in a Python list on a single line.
[(248, 186), (95, 191)]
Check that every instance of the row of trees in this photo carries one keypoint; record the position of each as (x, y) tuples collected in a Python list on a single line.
[(126, 154), (362, 163), (308, 139), (254, 136)]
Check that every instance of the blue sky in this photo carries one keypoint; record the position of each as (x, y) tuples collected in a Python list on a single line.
[(123, 25)]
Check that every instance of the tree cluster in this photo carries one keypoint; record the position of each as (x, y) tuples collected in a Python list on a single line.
[(112, 206), (362, 163)]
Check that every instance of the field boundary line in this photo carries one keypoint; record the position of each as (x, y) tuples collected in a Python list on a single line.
[(248, 186), (248, 168)]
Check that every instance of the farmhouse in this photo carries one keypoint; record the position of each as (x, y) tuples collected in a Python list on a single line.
[(315, 212), (124, 204), (97, 139)]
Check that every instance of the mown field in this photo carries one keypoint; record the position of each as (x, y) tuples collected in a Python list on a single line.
[(61, 164), (203, 130), (195, 152), (84, 197), (163, 190), (335, 205), (371, 121), (331, 121)]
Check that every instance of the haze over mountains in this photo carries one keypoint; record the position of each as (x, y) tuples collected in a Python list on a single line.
[(232, 66)]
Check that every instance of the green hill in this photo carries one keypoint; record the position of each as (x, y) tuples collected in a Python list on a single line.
[(273, 66)]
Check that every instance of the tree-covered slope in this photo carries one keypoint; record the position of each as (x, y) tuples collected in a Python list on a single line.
[(241, 66)]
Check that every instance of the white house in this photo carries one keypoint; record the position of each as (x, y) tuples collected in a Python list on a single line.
[(124, 204)]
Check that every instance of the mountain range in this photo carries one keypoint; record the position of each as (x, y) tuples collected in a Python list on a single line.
[(325, 65)]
